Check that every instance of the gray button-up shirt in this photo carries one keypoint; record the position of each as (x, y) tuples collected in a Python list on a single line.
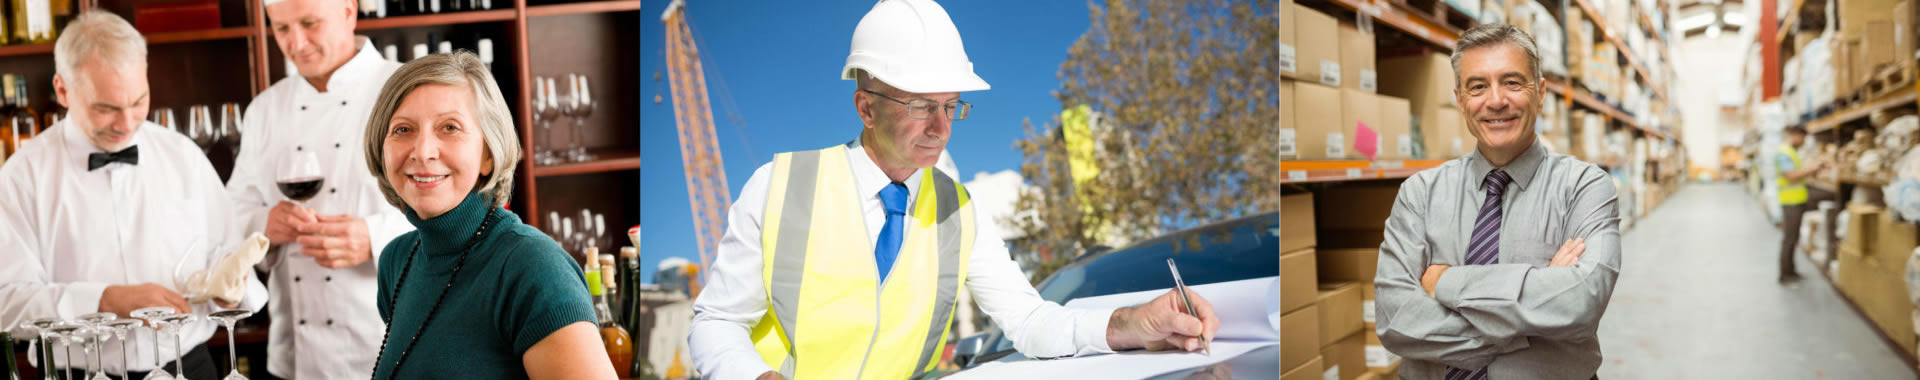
[(1519, 318)]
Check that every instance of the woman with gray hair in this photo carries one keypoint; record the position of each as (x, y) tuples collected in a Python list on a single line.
[(473, 292)]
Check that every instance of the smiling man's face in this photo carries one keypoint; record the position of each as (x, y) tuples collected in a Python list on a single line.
[(1500, 96)]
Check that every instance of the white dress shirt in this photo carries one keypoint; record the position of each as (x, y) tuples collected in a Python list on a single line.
[(70, 232), (734, 298), (326, 325)]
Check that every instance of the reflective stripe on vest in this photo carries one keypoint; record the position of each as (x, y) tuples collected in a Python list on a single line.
[(821, 283), (1791, 193)]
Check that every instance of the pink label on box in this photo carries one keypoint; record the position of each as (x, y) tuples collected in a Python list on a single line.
[(1365, 141)]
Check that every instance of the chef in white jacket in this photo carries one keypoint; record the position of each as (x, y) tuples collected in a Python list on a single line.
[(105, 212), (325, 323)]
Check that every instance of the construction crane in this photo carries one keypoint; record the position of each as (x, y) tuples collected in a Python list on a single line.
[(707, 190)]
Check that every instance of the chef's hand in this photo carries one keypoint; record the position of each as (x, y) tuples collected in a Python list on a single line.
[(122, 300), (336, 241), (285, 220), (1162, 324)]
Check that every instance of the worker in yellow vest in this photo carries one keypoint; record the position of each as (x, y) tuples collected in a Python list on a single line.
[(1796, 197), (845, 262)]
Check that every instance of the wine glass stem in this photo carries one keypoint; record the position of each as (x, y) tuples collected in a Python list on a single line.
[(232, 362), (177, 365), (125, 369), (157, 364)]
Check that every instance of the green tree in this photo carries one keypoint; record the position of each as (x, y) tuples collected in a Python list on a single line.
[(1188, 94)]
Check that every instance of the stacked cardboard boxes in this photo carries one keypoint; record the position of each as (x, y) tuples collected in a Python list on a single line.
[(1289, 56), (1356, 59), (1873, 279), (1426, 82), (1341, 353), (1299, 288), (1351, 227), (1328, 123), (1317, 57)]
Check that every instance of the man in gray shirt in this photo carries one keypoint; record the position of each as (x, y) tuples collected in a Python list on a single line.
[(1462, 296)]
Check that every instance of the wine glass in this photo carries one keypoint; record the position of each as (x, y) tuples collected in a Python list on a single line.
[(600, 230), (540, 155), (92, 340), (64, 333), (227, 318), (96, 321), (38, 328), (200, 127), (173, 324), (549, 110), (229, 123), (120, 328), (300, 177), (153, 316), (582, 107)]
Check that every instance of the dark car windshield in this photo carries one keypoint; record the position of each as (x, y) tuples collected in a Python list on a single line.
[(1240, 249)]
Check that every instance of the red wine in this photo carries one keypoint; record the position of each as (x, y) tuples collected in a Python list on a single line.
[(301, 189)]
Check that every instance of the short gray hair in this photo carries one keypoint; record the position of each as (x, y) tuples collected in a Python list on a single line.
[(490, 112), (98, 37), (1485, 35)]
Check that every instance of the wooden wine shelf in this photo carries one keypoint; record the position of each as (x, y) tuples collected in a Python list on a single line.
[(583, 8), (610, 161), (28, 49), (466, 17), (237, 32)]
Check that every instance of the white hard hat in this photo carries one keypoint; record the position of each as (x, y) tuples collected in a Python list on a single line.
[(913, 46)]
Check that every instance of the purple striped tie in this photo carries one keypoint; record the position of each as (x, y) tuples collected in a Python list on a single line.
[(1484, 248)]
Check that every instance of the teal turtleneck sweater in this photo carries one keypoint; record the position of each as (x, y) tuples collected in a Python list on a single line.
[(516, 287)]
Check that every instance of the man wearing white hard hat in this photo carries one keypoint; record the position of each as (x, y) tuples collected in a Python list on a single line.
[(801, 291), (312, 123)]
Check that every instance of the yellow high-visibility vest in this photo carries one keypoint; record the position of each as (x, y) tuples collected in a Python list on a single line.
[(828, 315), (1791, 193)]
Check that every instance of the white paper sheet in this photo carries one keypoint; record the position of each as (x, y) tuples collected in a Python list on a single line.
[(1249, 320)]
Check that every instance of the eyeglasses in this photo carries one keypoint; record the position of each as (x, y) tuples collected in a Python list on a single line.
[(921, 109), (1480, 88)]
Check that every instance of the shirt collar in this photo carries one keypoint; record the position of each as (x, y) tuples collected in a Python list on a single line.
[(1521, 168), (78, 146), (348, 73), (867, 176)]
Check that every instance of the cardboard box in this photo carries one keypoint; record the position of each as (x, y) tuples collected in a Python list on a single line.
[(1368, 376), (1893, 242), (1396, 120), (1296, 222), (1289, 138), (1862, 70), (1903, 32), (1881, 294), (1311, 370), (1302, 329), (1366, 304), (1339, 311), (1444, 135), (1345, 359), (1360, 108), (1289, 56), (1842, 70), (1347, 265), (1879, 36), (1356, 59), (1861, 222), (1317, 130), (1299, 284), (1379, 359), (1318, 55), (1423, 80), (1355, 206)]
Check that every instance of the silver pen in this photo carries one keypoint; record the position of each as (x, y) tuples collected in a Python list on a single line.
[(1181, 287)]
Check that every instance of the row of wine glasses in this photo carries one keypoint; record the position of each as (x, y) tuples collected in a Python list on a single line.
[(202, 127), (550, 105), (577, 232), (90, 332)]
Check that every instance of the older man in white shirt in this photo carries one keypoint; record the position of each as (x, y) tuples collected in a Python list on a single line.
[(326, 325), (108, 213)]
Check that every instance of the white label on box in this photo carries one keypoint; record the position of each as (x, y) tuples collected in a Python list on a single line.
[(1296, 175), (1330, 73), (1353, 172), (1287, 59), (1332, 373), (1377, 357), (1369, 80), (1336, 145), (1366, 311), (1286, 142), (1405, 147), (1392, 164)]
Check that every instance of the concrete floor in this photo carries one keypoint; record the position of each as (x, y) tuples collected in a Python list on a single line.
[(1697, 298)]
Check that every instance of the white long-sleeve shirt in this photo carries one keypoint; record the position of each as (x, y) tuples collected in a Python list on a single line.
[(734, 298), (68, 233)]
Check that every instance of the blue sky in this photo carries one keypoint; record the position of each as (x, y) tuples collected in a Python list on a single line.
[(779, 62)]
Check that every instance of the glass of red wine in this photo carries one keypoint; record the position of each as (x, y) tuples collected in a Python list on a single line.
[(299, 177)]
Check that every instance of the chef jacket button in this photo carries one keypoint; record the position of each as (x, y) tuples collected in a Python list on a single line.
[(329, 322), (329, 278), (296, 278), (336, 145), (333, 190), (303, 108), (299, 147), (343, 102), (303, 322)]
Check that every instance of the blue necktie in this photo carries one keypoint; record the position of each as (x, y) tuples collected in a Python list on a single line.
[(1484, 248), (895, 198)]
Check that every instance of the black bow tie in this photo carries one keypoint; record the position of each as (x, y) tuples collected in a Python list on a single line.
[(130, 156)]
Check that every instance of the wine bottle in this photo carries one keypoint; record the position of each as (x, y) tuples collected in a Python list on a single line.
[(618, 343), (32, 21), (23, 105), (369, 8), (419, 51), (484, 47), (391, 52), (394, 8)]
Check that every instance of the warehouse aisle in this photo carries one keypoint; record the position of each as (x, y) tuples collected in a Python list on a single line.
[(1697, 299)]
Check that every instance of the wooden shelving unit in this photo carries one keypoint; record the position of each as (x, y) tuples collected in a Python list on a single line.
[(1351, 170)]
